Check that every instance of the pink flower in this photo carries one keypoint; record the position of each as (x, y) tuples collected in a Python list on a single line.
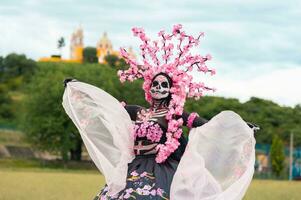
[(134, 173), (147, 187), (143, 174), (160, 192), (161, 33), (153, 192), (103, 197), (143, 37), (148, 129), (178, 133), (137, 31), (139, 191), (176, 29), (168, 37), (124, 54), (145, 192), (209, 57), (126, 196), (129, 190), (191, 119)]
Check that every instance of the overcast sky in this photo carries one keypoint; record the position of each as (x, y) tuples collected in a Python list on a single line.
[(256, 45)]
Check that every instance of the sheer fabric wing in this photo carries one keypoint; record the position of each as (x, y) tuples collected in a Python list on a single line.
[(218, 162), (105, 128)]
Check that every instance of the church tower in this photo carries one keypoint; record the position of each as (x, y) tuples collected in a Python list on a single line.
[(77, 45), (104, 47)]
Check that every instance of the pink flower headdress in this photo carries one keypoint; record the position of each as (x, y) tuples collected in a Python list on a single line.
[(178, 63)]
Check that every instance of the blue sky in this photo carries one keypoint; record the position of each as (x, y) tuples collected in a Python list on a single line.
[(255, 44)]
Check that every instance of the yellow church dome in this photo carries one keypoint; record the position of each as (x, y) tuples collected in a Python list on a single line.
[(105, 42)]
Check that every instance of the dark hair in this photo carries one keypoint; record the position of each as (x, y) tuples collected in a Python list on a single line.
[(166, 100)]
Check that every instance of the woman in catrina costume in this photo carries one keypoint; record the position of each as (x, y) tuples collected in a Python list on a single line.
[(142, 152)]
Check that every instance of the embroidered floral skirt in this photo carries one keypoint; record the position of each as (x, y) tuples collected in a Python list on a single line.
[(146, 179)]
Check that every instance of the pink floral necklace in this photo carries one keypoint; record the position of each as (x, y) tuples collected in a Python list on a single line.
[(147, 127)]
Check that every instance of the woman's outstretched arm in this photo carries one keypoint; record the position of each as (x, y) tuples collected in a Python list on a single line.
[(133, 110), (192, 120)]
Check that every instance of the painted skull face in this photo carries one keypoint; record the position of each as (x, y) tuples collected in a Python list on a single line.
[(160, 87)]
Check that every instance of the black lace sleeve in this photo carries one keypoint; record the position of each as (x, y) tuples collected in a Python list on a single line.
[(198, 121), (132, 110)]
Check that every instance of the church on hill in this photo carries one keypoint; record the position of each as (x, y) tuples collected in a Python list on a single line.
[(103, 47)]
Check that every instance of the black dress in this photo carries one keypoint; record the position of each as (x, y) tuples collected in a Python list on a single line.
[(147, 179)]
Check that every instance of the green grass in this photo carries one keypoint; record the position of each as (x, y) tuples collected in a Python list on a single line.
[(19, 184), (35, 164), (19, 163), (274, 190), (49, 185)]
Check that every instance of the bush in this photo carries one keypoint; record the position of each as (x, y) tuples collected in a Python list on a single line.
[(90, 55), (277, 156), (111, 60)]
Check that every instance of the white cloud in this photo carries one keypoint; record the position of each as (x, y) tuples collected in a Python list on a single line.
[(281, 86)]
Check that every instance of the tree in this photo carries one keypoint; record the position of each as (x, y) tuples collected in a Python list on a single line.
[(61, 44), (15, 71), (45, 123), (298, 107), (43, 120), (90, 55), (111, 60), (277, 156), (1, 65), (16, 66), (6, 112)]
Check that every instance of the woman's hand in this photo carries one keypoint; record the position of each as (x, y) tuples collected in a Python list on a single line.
[(67, 80), (253, 126)]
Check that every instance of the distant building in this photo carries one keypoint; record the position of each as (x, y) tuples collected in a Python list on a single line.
[(77, 45), (104, 47)]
